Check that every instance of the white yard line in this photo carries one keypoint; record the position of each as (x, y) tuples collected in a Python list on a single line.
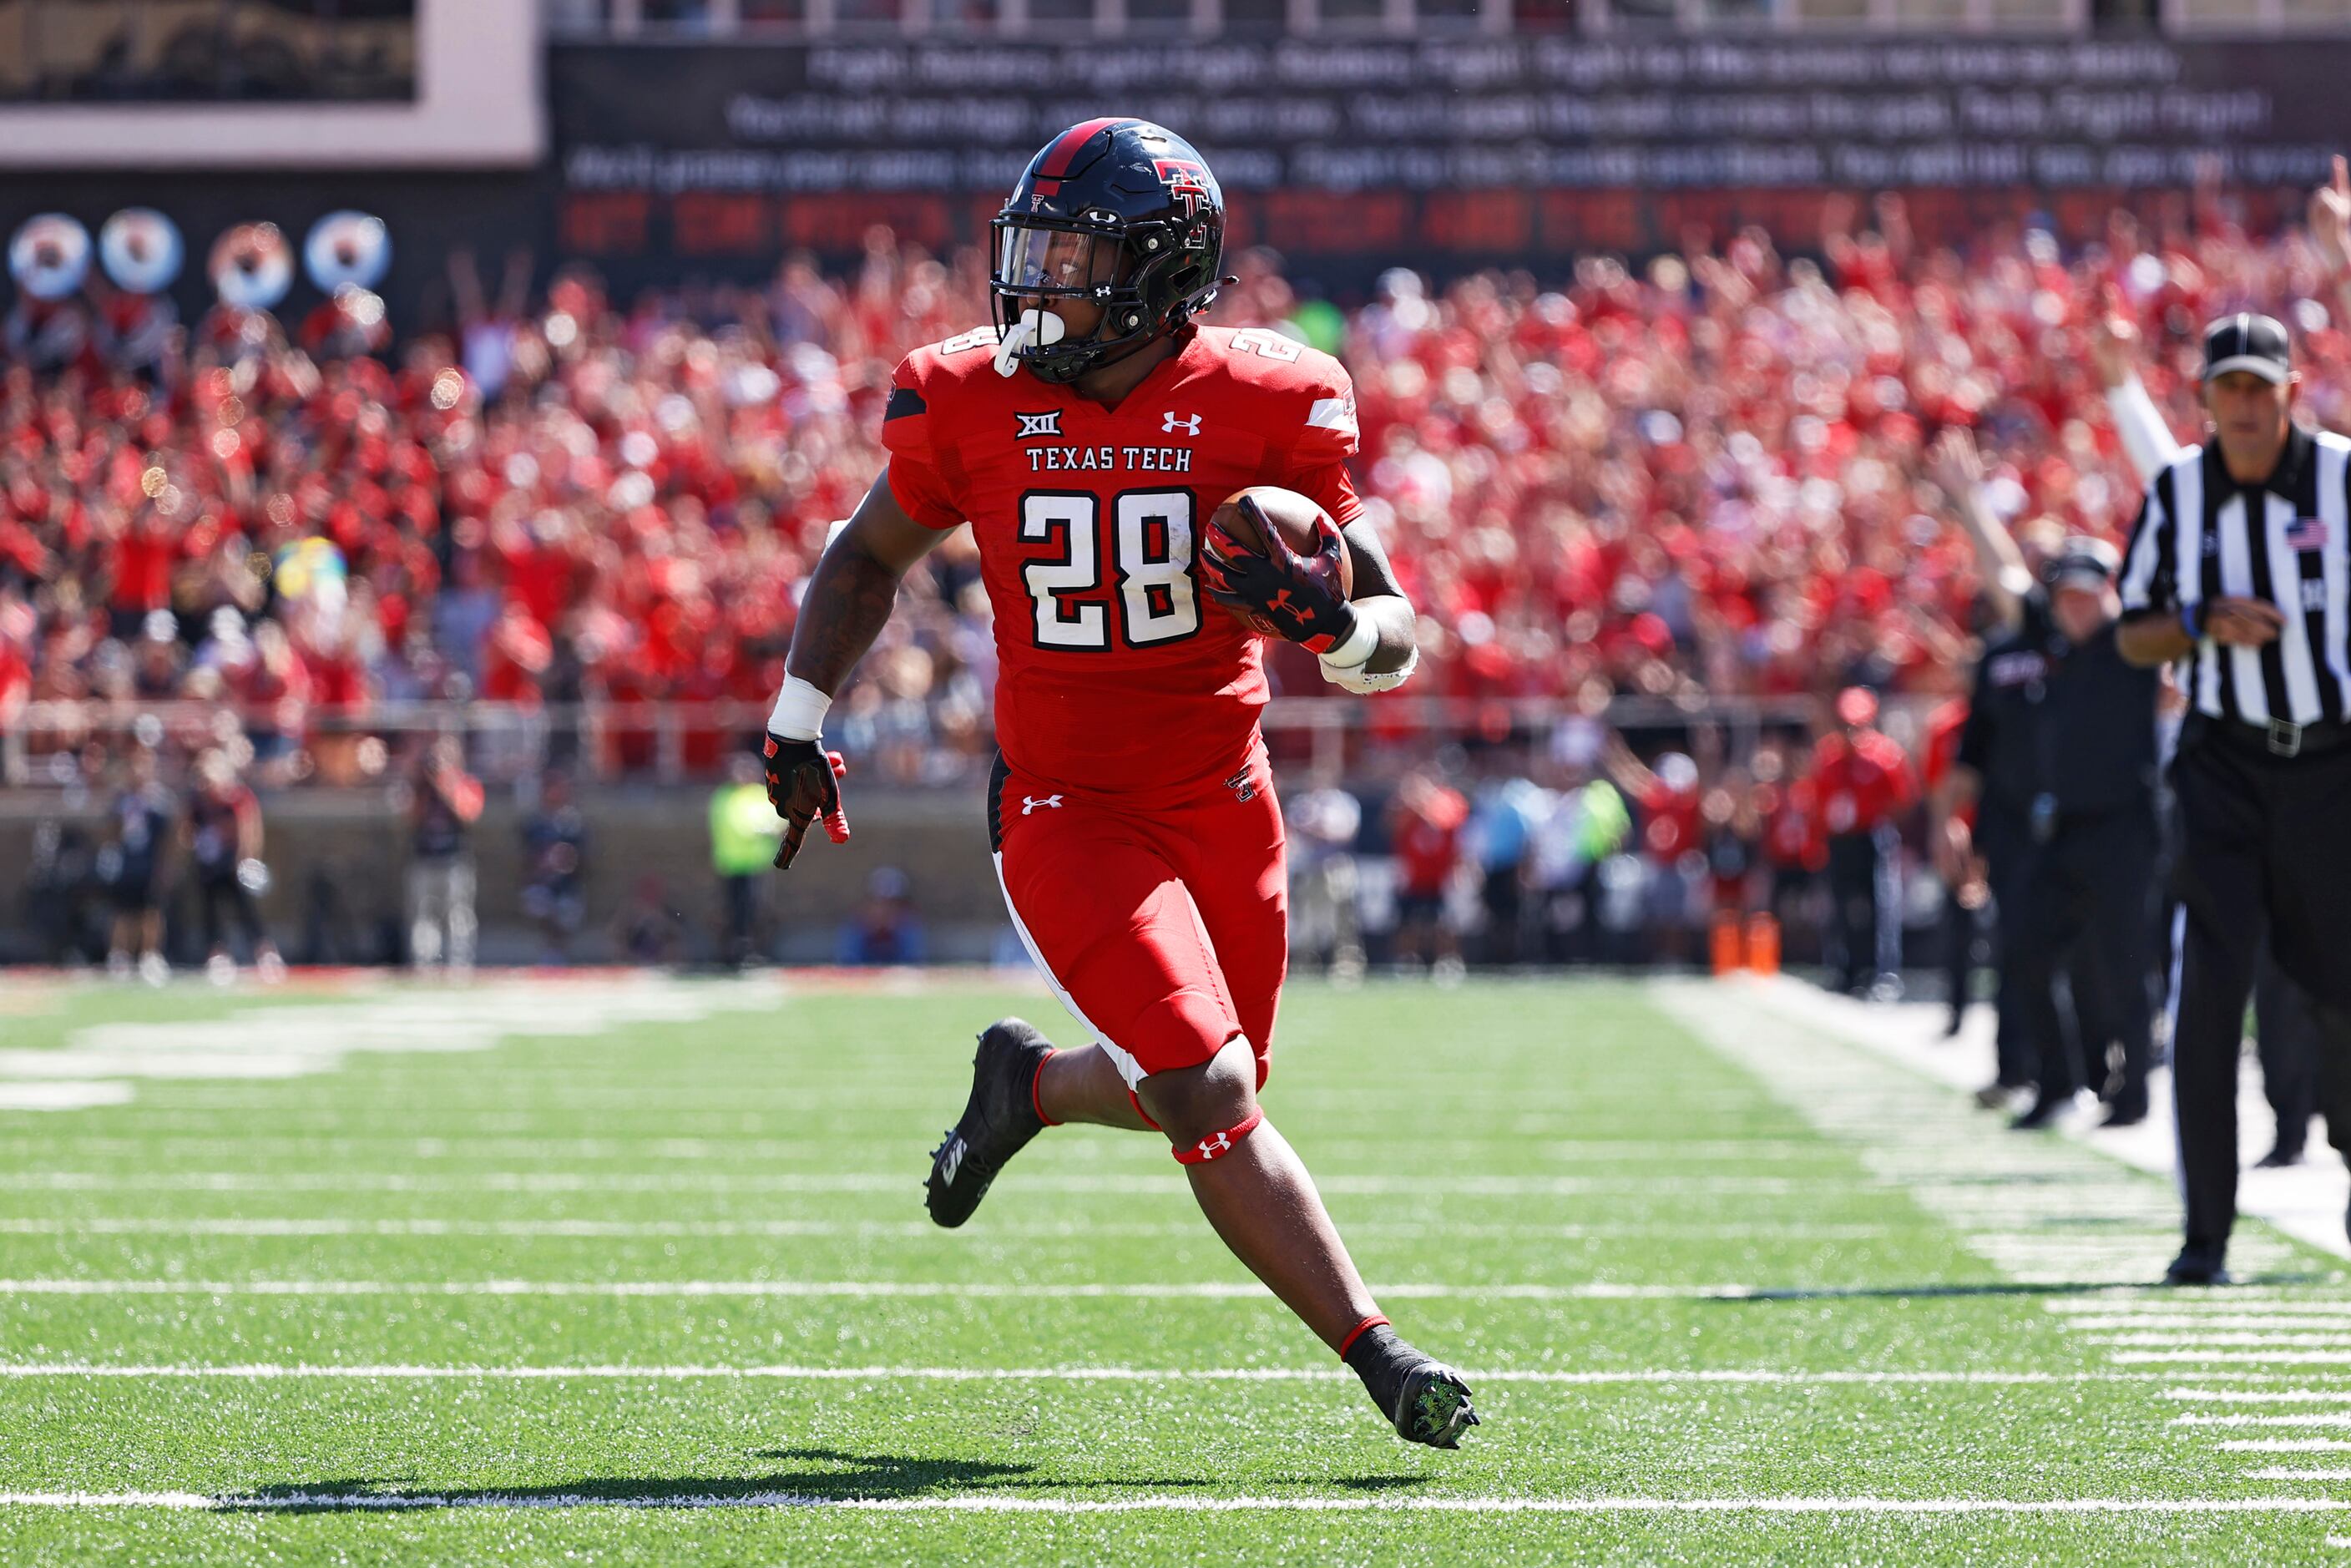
[(1590, 1291), (2237, 1301), (2306, 1419), (2187, 1341), (2146, 1322), (1672, 1159), (907, 1180), (157, 1225), (982, 1503), (2230, 1357), (64, 1094), (402, 1372), (2284, 1446), (2262, 1396), (100, 1064)]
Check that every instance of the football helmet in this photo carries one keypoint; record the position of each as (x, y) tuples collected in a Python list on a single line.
[(1118, 212)]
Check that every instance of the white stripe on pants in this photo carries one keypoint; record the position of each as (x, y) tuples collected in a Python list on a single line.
[(441, 912)]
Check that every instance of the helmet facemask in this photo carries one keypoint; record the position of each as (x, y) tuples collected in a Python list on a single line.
[(1132, 275)]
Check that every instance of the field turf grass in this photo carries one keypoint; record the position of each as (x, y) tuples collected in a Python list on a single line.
[(662, 1292)]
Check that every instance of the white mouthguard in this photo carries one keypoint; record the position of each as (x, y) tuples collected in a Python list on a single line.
[(1035, 326)]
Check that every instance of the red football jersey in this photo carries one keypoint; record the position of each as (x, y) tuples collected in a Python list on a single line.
[(1862, 781), (1116, 676), (1793, 839)]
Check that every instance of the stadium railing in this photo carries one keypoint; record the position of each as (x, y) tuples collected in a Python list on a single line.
[(680, 742)]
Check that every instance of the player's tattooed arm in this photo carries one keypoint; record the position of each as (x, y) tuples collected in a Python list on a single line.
[(855, 587), (1378, 600)]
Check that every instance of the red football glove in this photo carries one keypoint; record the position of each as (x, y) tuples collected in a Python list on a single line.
[(803, 784), (1299, 596)]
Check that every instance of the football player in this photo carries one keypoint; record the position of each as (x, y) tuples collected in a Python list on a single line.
[(1088, 437)]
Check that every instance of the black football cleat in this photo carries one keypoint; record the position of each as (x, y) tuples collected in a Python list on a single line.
[(1434, 1407), (2280, 1156), (2043, 1111), (2198, 1266), (998, 1120), (2127, 1111)]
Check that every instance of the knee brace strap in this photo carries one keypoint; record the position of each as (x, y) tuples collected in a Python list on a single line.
[(1217, 1145)]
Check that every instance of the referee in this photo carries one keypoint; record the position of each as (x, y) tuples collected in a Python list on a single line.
[(2240, 566)]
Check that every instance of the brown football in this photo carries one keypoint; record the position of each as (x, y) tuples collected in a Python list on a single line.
[(1296, 517)]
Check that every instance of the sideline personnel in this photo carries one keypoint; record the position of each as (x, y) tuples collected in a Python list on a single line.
[(1864, 783), (2091, 823), (2238, 565)]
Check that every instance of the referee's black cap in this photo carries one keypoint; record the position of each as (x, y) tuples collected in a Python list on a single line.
[(2248, 341)]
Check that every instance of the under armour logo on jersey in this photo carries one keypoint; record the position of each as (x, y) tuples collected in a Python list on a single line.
[(1217, 1144), (1171, 425), (1243, 787), (1030, 803), (1035, 425)]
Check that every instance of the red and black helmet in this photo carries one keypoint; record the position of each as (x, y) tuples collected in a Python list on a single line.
[(1119, 213)]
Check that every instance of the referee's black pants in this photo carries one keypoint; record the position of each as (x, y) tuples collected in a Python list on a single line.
[(2286, 1036), (2266, 848), (2084, 907)]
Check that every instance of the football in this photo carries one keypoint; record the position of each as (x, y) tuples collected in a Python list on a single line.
[(1297, 518)]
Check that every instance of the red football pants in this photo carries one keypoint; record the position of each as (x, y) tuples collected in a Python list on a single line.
[(1166, 933)]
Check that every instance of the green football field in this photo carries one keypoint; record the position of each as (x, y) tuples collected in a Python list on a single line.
[(609, 1270)]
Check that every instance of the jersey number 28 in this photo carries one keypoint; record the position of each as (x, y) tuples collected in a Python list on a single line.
[(1149, 548)]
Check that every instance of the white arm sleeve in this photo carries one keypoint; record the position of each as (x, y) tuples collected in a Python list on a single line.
[(2144, 435)]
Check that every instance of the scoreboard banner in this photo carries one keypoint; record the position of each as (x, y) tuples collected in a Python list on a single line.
[(1479, 146), (459, 87)]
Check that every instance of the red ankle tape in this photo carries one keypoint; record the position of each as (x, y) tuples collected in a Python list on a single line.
[(1036, 1102), (1374, 1322), (1217, 1145)]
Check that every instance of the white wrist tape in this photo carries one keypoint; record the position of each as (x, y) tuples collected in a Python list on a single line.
[(1355, 678), (1357, 647), (799, 710)]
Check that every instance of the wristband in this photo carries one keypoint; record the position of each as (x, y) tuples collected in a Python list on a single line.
[(2188, 622), (1356, 647), (799, 710)]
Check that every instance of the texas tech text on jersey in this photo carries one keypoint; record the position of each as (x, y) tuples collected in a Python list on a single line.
[(1115, 674)]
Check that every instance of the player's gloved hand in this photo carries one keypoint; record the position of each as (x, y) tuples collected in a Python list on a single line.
[(1299, 596), (803, 784)]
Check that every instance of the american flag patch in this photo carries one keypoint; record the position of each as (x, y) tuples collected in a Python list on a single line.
[(2306, 533)]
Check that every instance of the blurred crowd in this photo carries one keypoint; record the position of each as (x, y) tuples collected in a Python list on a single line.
[(1705, 476), (1712, 476)]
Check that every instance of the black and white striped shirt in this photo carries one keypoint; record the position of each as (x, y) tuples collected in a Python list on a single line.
[(2202, 535)]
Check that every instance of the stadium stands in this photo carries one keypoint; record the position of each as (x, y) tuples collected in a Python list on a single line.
[(1705, 478)]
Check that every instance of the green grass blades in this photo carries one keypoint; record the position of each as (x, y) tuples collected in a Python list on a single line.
[(628, 1270)]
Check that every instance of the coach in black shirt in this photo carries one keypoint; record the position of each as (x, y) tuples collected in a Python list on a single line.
[(2240, 568), (2061, 743), (2091, 827)]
